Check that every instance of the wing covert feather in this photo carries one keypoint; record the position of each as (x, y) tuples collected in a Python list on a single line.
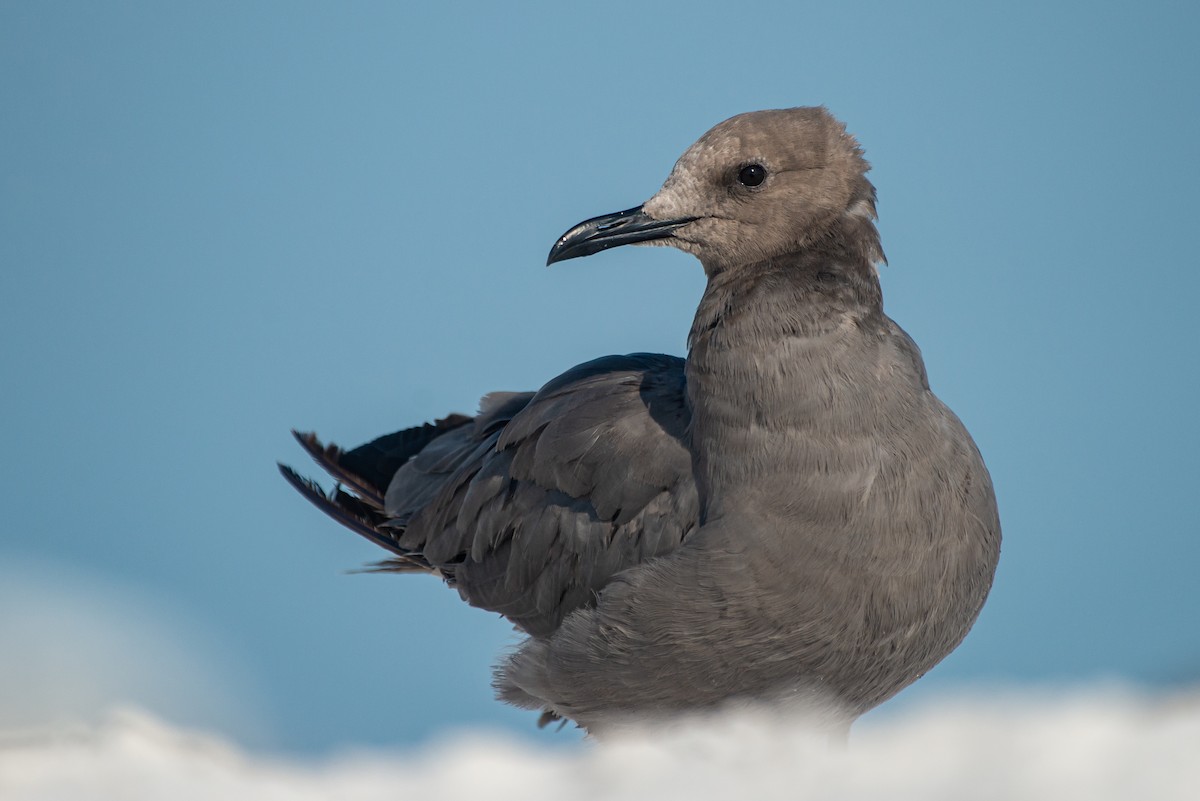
[(532, 510)]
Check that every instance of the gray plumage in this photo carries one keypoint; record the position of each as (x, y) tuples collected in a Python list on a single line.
[(789, 515)]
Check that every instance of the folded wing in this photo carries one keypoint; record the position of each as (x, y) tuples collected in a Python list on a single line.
[(530, 508)]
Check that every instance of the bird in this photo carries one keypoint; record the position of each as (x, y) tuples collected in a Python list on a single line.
[(786, 516)]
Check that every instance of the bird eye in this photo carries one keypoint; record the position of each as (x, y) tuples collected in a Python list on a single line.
[(752, 175)]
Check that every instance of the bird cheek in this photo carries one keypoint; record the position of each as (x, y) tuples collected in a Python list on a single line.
[(703, 234)]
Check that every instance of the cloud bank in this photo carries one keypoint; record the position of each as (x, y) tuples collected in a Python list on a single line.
[(73, 644), (1096, 745)]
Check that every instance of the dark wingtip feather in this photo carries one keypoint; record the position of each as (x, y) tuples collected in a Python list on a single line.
[(338, 505), (305, 486), (410, 564), (329, 458)]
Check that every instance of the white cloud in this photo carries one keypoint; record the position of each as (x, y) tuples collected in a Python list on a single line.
[(72, 643), (1097, 745)]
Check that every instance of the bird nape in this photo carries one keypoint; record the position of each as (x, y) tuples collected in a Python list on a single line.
[(787, 516)]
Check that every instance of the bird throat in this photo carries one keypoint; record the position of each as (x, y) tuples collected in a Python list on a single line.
[(773, 348)]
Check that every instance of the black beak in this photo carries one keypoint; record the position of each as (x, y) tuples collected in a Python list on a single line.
[(611, 230)]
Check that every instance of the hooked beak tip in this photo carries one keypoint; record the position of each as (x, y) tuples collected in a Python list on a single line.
[(612, 230)]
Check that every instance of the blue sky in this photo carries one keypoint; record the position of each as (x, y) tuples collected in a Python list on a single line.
[(220, 221)]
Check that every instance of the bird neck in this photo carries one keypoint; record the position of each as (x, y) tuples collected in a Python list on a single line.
[(775, 349), (798, 296)]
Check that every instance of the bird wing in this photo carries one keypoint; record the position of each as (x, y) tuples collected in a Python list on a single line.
[(533, 506)]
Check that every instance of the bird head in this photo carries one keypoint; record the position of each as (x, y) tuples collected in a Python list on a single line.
[(755, 187)]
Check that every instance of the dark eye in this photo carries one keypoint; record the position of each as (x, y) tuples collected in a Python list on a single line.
[(752, 175)]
